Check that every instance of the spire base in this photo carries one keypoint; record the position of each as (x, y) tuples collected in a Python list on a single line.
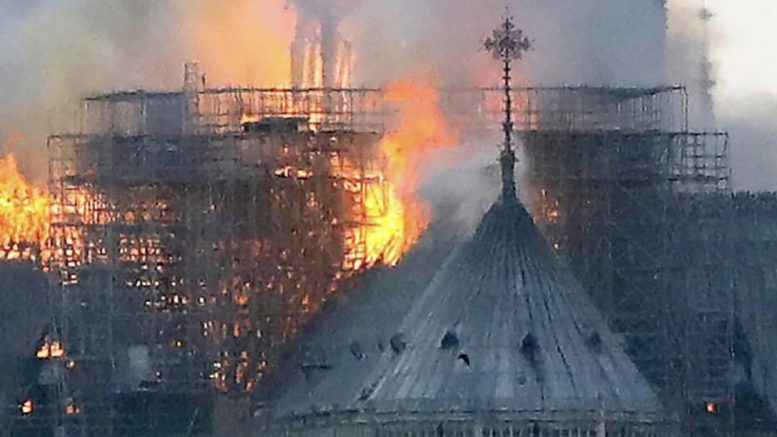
[(507, 44), (507, 161)]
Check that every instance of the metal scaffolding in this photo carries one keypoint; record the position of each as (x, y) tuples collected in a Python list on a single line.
[(193, 233), (617, 186)]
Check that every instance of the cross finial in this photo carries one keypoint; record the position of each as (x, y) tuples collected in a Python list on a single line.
[(507, 44)]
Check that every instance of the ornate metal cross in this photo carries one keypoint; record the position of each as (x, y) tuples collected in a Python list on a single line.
[(508, 43)]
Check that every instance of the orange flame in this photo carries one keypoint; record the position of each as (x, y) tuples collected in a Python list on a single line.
[(246, 41), (50, 349), (24, 213), (398, 216), (27, 407)]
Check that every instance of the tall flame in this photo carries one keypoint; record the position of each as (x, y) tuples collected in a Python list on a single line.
[(24, 213), (400, 217)]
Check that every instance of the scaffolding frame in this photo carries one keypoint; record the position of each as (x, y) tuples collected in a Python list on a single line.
[(188, 251), (619, 194), (158, 197), (754, 238)]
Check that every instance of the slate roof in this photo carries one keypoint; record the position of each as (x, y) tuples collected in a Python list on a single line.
[(501, 326)]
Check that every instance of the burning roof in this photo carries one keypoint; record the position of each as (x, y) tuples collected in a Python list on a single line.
[(24, 211), (503, 337)]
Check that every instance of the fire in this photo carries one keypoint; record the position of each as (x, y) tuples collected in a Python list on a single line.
[(320, 56), (422, 130), (71, 409), (391, 231), (245, 42), (250, 118), (50, 349), (396, 215), (24, 213), (27, 407)]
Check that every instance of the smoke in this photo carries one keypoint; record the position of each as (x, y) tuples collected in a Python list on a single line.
[(750, 122), (688, 60), (239, 42), (744, 56), (613, 42), (728, 70), (320, 20), (53, 52), (576, 41), (325, 10), (462, 183)]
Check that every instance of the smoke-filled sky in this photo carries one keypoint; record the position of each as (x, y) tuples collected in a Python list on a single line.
[(744, 55), (54, 51)]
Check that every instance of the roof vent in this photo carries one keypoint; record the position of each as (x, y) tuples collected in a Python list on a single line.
[(595, 341), (308, 369), (368, 391), (530, 348), (314, 360), (357, 351), (449, 341), (398, 343)]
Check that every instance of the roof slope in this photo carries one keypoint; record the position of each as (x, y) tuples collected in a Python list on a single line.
[(503, 326)]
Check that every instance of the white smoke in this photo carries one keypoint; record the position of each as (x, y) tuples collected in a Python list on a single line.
[(462, 183)]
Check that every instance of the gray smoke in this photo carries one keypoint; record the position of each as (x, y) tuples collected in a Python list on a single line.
[(576, 41), (54, 51), (600, 42), (692, 50), (325, 10), (750, 123)]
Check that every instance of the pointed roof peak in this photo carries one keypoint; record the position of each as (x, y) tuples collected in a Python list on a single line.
[(502, 326)]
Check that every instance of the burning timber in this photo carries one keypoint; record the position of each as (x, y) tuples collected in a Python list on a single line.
[(190, 236), (194, 243), (184, 223), (195, 232), (503, 340)]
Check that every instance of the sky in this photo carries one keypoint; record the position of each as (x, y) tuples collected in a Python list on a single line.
[(743, 53), (745, 49), (52, 50)]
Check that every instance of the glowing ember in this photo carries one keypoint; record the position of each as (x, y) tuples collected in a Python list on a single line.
[(24, 213), (71, 409), (27, 407), (250, 118), (50, 349)]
